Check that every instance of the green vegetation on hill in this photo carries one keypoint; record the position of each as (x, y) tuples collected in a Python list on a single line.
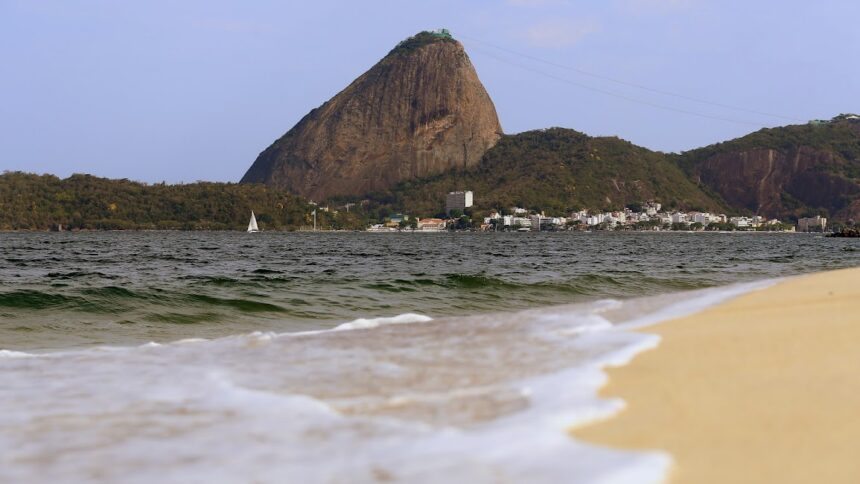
[(839, 136), (420, 40), (557, 170), (40, 202)]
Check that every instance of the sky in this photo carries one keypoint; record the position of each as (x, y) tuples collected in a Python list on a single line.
[(180, 91)]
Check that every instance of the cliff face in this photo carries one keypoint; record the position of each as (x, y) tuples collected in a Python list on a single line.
[(786, 172), (420, 111)]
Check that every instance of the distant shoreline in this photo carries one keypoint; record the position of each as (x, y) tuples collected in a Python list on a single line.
[(25, 231)]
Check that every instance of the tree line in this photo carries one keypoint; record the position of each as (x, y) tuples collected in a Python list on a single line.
[(84, 202)]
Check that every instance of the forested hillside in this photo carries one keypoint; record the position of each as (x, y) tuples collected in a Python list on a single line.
[(42, 202), (558, 170)]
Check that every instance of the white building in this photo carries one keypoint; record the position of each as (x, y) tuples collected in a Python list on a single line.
[(595, 219), (521, 223), (741, 222), (511, 221), (617, 217), (458, 201), (431, 225), (679, 218), (812, 224), (703, 218)]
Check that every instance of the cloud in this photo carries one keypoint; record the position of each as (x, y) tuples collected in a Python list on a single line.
[(559, 33)]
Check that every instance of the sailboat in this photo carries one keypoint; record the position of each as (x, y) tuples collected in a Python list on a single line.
[(252, 225)]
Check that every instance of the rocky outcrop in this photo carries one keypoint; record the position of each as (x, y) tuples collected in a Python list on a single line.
[(762, 180), (786, 172), (420, 111)]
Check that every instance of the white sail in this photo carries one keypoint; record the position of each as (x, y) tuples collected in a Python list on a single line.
[(252, 225)]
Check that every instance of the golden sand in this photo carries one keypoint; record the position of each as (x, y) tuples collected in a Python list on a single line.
[(762, 389)]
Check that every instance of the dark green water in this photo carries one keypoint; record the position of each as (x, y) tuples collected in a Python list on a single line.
[(121, 288)]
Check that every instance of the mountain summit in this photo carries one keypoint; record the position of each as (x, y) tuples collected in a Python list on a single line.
[(419, 111)]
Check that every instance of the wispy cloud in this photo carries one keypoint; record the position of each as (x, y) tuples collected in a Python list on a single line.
[(559, 33)]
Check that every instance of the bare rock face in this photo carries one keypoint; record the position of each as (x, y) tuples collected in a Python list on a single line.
[(786, 172), (419, 111), (776, 183)]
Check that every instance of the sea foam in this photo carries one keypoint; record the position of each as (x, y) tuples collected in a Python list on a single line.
[(14, 354), (363, 323), (485, 398)]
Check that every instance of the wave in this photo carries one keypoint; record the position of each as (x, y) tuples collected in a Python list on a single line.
[(365, 323), (245, 305), (30, 299), (79, 274), (114, 292), (218, 281), (620, 284), (483, 398)]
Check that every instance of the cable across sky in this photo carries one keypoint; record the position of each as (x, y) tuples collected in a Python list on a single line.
[(623, 83)]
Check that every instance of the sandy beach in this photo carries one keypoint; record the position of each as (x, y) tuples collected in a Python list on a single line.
[(764, 388)]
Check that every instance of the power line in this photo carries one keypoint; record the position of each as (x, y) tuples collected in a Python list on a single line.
[(619, 96), (631, 84)]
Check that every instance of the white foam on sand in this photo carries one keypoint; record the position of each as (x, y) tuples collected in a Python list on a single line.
[(14, 354), (363, 323), (486, 398)]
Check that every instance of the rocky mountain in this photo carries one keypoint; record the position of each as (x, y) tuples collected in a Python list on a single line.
[(785, 172), (419, 111), (419, 123)]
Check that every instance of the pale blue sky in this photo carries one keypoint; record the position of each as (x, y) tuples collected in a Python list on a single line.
[(194, 90)]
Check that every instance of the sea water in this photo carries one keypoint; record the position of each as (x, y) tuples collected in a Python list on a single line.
[(454, 382), (64, 290)]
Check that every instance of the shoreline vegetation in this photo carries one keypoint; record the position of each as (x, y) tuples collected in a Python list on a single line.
[(85, 202), (762, 388), (42, 203)]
